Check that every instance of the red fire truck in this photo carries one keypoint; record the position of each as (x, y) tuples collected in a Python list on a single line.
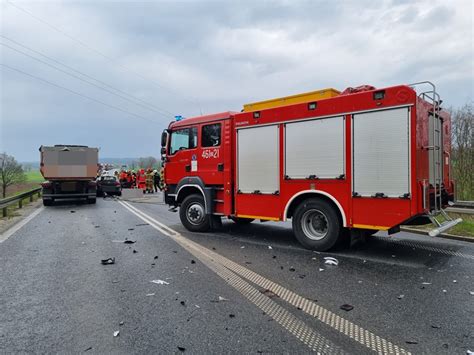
[(336, 164)]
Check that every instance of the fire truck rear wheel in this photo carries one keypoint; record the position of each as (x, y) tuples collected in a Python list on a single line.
[(193, 214), (316, 225)]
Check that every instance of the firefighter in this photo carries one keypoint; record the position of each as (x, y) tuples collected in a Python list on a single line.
[(156, 180), (149, 180), (141, 180), (162, 178)]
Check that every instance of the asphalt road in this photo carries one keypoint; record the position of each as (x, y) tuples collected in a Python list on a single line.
[(248, 289)]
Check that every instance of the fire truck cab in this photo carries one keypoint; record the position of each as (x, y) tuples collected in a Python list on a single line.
[(359, 161)]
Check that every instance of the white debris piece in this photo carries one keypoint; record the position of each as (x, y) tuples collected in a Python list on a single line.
[(331, 261), (469, 352), (242, 247), (116, 333), (160, 282), (454, 281), (150, 294), (321, 269), (471, 293), (314, 258), (400, 297), (270, 247), (221, 299), (426, 283), (444, 291)]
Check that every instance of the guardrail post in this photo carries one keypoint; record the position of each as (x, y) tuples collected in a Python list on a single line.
[(4, 211), (20, 203), (31, 198)]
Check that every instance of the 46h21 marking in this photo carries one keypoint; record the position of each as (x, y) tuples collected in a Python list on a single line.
[(210, 153)]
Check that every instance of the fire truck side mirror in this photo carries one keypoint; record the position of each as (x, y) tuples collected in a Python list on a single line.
[(164, 139)]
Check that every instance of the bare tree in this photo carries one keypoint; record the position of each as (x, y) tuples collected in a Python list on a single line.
[(147, 162), (463, 151), (11, 172)]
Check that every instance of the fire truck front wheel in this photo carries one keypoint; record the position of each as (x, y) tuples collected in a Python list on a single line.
[(316, 225), (193, 214)]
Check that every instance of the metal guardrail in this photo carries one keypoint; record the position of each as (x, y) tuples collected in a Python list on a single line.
[(4, 203), (464, 204)]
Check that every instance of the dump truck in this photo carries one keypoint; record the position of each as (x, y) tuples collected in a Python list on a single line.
[(336, 164), (70, 172)]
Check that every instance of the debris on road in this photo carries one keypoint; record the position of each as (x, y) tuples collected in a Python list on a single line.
[(150, 294), (426, 283), (160, 282), (292, 269), (96, 226), (400, 297), (182, 349), (222, 299), (231, 315), (269, 293), (131, 229), (314, 258), (73, 211), (471, 293), (270, 247), (134, 251), (454, 281), (142, 224), (248, 262), (435, 326), (274, 257), (347, 307), (444, 291), (411, 342), (89, 348), (156, 257), (321, 269), (183, 303), (242, 247), (122, 323), (331, 261), (116, 333), (193, 262), (108, 261), (126, 241), (302, 276)]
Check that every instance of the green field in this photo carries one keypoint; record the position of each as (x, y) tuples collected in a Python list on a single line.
[(34, 176)]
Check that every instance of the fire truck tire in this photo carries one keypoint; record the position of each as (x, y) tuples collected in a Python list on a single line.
[(316, 225), (192, 214), (242, 221)]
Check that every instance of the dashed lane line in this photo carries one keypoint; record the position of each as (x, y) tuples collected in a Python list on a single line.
[(8, 233), (351, 330)]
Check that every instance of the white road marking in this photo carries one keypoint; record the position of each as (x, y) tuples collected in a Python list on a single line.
[(8, 233), (234, 274)]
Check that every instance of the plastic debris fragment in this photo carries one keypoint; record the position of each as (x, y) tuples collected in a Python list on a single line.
[(331, 261), (116, 333), (270, 247), (108, 261), (426, 283), (221, 299), (400, 297), (347, 307), (150, 294), (126, 241), (411, 342), (160, 282), (321, 269)]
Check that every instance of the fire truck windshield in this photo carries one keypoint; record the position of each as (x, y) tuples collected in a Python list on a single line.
[(185, 138)]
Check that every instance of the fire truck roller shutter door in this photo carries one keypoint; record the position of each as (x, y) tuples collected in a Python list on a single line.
[(315, 147), (381, 162), (258, 159)]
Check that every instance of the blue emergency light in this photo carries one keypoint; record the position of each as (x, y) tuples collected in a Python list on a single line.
[(178, 118)]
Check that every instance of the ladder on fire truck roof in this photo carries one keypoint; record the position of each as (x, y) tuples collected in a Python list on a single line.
[(436, 151)]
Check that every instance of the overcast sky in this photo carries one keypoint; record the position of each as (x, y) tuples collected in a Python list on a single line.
[(164, 58)]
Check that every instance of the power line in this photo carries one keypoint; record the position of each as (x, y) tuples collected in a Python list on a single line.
[(98, 52), (79, 78), (86, 75), (76, 93)]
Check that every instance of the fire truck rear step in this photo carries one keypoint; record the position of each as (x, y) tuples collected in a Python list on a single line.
[(444, 226)]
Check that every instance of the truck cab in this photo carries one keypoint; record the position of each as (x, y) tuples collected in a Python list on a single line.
[(197, 158)]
